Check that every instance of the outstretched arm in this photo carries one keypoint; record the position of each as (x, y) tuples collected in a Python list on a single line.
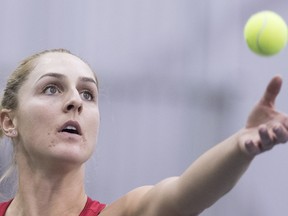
[(215, 172)]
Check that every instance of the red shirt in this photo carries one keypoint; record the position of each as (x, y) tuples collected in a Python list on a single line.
[(91, 208)]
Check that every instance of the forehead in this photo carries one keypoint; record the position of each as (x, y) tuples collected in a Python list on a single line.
[(64, 63)]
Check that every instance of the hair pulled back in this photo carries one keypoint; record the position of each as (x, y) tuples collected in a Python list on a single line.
[(17, 78)]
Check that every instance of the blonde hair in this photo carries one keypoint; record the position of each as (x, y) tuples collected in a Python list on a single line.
[(18, 77), (10, 97)]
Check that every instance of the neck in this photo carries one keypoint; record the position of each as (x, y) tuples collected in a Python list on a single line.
[(49, 193)]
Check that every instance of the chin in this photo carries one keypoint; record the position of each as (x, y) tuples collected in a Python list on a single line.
[(73, 155)]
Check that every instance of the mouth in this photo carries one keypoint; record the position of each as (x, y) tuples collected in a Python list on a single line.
[(71, 127)]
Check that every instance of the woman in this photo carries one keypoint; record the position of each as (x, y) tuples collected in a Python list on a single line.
[(50, 152)]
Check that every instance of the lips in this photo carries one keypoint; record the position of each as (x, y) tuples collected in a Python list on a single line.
[(72, 127)]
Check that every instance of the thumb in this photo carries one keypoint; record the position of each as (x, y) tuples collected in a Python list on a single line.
[(272, 91)]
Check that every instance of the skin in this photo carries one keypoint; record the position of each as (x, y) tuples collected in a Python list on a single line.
[(49, 161), (51, 164), (203, 183)]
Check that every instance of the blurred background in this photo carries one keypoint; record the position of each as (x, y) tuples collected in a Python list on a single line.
[(176, 77)]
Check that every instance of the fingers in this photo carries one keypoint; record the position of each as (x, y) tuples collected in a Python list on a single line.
[(281, 134), (267, 139), (272, 91), (252, 148)]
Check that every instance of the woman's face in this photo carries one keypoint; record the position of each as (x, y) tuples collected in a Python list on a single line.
[(58, 116)]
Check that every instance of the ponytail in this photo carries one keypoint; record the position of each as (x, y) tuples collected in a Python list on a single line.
[(1, 131)]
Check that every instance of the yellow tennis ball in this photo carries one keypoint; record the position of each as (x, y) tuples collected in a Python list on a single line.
[(266, 33)]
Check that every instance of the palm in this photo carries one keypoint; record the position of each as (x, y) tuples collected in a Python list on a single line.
[(265, 111), (265, 126)]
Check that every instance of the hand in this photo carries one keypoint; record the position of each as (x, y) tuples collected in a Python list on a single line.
[(265, 126)]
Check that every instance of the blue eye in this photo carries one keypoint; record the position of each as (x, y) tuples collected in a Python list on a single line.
[(86, 95), (51, 90)]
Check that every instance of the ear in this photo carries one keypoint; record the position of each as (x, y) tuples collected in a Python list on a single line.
[(7, 123)]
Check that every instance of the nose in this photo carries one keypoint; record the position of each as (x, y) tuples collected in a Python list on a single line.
[(73, 102)]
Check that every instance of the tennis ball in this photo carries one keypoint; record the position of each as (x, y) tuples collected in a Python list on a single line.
[(266, 33)]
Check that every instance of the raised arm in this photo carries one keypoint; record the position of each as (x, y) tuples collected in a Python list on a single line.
[(215, 172)]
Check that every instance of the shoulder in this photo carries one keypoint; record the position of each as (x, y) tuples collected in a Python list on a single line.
[(128, 205), (152, 200)]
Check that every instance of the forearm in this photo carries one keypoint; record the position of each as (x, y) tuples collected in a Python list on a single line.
[(218, 170), (211, 176)]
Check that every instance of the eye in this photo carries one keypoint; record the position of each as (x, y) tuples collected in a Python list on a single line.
[(51, 90), (87, 95)]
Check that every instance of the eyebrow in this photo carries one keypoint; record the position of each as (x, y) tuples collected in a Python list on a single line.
[(61, 76)]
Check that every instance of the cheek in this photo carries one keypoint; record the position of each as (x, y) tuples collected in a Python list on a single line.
[(34, 127), (93, 123), (33, 119)]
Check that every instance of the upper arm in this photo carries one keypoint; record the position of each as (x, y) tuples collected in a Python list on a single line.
[(163, 199), (159, 200)]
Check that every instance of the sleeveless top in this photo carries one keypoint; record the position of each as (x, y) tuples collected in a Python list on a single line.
[(91, 208)]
